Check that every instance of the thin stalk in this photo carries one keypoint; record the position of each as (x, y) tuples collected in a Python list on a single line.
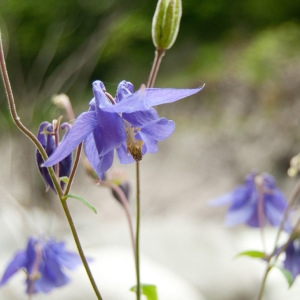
[(73, 171), (32, 137), (124, 201), (159, 54), (137, 233), (72, 225), (17, 120), (35, 269), (274, 260), (56, 124), (262, 287), (79, 247), (261, 218), (293, 198)]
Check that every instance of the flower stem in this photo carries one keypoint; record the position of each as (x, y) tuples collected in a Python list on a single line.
[(32, 137), (73, 172), (17, 120), (124, 202), (79, 247), (293, 198), (159, 54), (137, 233), (260, 211), (72, 226), (262, 287)]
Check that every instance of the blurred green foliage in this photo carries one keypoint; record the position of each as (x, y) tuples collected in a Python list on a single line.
[(61, 46)]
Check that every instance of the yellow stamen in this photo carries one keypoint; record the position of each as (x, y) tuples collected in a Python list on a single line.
[(134, 147)]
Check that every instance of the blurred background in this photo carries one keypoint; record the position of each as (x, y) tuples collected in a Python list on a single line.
[(246, 118)]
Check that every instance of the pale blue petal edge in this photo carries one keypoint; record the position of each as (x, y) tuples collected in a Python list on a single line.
[(143, 99)]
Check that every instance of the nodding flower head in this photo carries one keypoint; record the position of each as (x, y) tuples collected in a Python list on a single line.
[(46, 136), (44, 262), (257, 202), (127, 123)]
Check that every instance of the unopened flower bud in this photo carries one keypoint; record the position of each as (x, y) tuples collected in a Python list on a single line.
[(294, 166), (165, 23), (63, 101), (46, 138), (125, 187), (117, 181)]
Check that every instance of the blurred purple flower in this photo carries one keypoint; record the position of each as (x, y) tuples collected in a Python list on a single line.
[(257, 202), (46, 138), (43, 262), (292, 257), (127, 123)]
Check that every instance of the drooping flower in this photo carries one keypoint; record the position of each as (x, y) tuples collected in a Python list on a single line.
[(47, 140), (127, 123), (43, 261), (119, 184), (292, 257), (257, 202)]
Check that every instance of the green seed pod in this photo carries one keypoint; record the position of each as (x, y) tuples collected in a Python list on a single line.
[(165, 23)]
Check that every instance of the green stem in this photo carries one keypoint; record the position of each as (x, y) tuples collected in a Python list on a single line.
[(79, 247), (137, 233), (17, 120), (159, 54), (124, 201), (262, 287), (73, 172), (293, 198), (275, 254), (32, 137), (72, 225)]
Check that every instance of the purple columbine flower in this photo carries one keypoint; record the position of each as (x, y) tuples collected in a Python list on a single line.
[(127, 123), (292, 257), (47, 140), (44, 262), (257, 202)]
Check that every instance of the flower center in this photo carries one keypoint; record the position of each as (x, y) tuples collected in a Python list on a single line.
[(134, 147)]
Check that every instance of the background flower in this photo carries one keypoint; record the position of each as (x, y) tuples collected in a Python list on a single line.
[(292, 257), (255, 203), (43, 261)]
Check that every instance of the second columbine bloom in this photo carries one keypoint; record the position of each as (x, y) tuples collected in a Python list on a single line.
[(44, 261), (127, 123), (255, 203)]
